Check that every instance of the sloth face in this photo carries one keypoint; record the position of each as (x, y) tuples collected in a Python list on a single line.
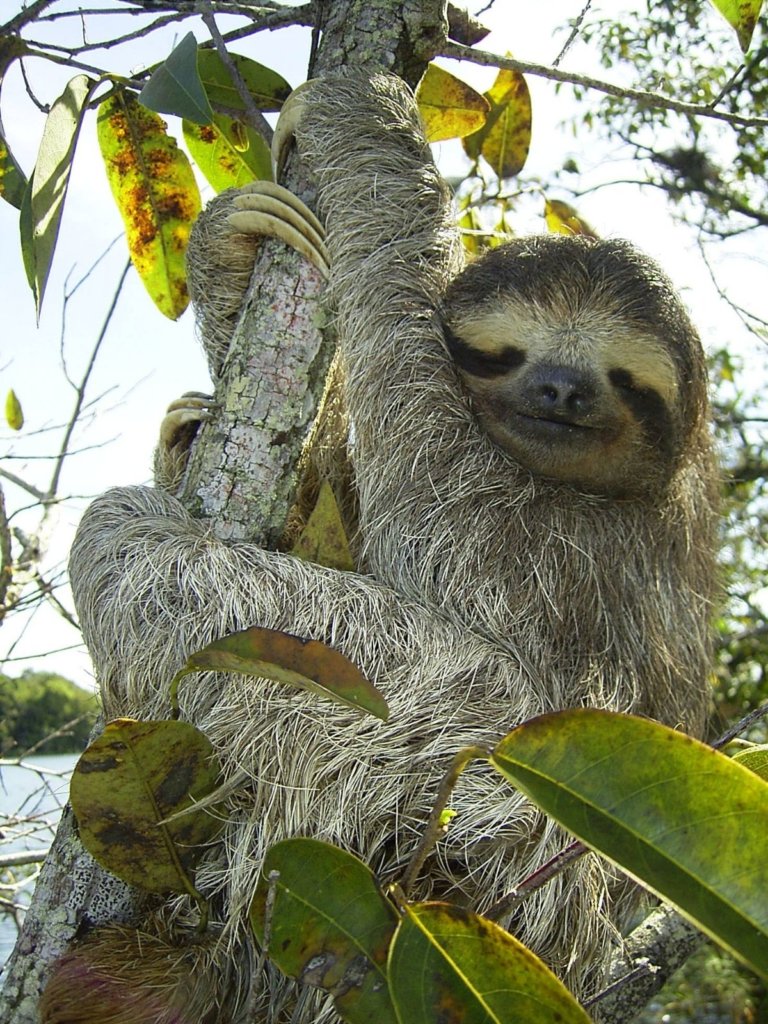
[(579, 360)]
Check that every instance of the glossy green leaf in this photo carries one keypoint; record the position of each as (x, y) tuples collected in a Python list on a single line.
[(449, 108), (756, 759), (505, 138), (14, 415), (175, 86), (329, 925), (450, 965), (156, 193), (228, 153), (12, 180), (128, 781), (307, 664), (683, 819), (43, 202), (741, 15), (267, 88)]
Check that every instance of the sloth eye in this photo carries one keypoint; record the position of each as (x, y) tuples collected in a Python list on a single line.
[(624, 380), (478, 362)]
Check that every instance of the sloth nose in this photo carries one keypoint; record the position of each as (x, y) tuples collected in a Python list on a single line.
[(561, 392)]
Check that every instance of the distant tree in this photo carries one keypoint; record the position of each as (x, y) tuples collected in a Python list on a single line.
[(44, 711)]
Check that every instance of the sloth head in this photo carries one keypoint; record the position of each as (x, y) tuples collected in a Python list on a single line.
[(581, 362)]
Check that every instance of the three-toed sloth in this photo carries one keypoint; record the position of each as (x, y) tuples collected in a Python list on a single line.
[(537, 503)]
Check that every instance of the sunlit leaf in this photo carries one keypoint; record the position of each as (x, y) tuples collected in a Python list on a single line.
[(756, 759), (175, 87), (44, 198), (323, 540), (564, 219), (448, 964), (12, 180), (741, 15), (267, 88), (128, 781), (449, 108), (505, 138), (227, 152), (156, 193), (14, 415), (307, 664), (685, 820), (330, 925)]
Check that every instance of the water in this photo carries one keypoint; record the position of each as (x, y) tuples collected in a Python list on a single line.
[(37, 797)]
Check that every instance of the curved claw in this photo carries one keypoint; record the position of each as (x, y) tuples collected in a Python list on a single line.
[(183, 418), (290, 117), (268, 209)]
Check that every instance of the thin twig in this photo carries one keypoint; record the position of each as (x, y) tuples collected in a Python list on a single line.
[(549, 870), (255, 116), (648, 99), (574, 33)]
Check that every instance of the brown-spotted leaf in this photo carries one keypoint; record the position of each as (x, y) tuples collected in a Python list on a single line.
[(564, 219), (505, 138), (741, 15), (308, 664), (329, 925), (447, 964), (156, 193), (12, 180), (228, 152), (449, 108), (323, 539), (127, 782)]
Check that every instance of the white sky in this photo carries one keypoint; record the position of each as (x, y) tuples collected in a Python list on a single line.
[(147, 361)]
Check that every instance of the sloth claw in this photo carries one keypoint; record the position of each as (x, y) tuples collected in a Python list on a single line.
[(183, 419), (290, 117), (264, 208)]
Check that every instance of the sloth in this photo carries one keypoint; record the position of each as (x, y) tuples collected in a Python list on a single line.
[(536, 509)]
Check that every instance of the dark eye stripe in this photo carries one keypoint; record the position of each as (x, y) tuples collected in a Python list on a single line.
[(648, 408), (482, 364)]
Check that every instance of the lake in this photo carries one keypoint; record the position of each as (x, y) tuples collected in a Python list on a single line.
[(36, 796)]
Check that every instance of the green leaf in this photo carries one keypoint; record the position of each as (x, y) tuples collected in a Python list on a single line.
[(14, 415), (307, 664), (683, 819), (448, 964), (741, 15), (175, 87), (505, 138), (323, 539), (128, 781), (12, 181), (47, 189), (449, 108), (756, 759), (228, 152), (330, 926), (156, 193), (268, 89)]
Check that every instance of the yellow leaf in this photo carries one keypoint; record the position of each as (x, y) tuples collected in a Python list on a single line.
[(505, 138), (323, 540), (741, 15), (156, 193), (449, 108), (562, 219), (14, 415)]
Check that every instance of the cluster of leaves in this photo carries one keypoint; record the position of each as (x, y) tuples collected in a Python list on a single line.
[(35, 706), (647, 797)]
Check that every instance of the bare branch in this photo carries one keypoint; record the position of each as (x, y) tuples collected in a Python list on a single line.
[(648, 99)]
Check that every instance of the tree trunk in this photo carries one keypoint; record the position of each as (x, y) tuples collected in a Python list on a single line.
[(243, 471)]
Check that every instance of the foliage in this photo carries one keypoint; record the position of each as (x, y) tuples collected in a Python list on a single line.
[(36, 705)]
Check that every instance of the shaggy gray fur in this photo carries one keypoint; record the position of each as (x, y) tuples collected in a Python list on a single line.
[(486, 595)]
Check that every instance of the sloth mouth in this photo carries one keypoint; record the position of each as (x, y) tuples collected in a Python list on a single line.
[(552, 425)]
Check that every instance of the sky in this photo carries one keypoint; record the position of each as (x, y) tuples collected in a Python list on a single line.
[(146, 361)]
